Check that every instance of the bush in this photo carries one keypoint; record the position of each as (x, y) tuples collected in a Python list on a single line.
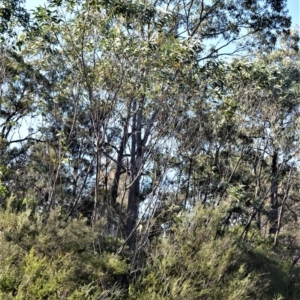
[(55, 260), (202, 258)]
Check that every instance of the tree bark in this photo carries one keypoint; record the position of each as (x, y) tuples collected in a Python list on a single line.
[(135, 165), (273, 217)]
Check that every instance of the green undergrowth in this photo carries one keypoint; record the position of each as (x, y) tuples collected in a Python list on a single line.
[(204, 259), (55, 259), (198, 257)]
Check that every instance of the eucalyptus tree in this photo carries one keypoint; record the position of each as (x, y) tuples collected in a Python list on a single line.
[(19, 84), (139, 62), (173, 33), (244, 148), (122, 77), (256, 137)]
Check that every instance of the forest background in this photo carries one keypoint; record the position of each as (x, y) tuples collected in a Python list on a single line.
[(149, 149)]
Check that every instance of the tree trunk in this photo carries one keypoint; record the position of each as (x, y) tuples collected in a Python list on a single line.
[(273, 217), (135, 168), (117, 175), (138, 145)]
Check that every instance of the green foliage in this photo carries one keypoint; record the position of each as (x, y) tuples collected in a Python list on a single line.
[(12, 11), (3, 190), (55, 259), (135, 122), (202, 258)]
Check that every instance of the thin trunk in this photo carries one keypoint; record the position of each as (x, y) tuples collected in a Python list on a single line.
[(257, 166), (188, 183), (116, 182), (134, 189), (119, 167), (258, 215), (285, 198), (96, 198), (253, 215), (273, 217)]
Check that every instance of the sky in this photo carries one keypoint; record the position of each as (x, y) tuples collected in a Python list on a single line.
[(292, 5), (294, 11)]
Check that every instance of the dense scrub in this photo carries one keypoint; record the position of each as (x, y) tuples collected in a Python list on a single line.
[(198, 257), (51, 258)]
